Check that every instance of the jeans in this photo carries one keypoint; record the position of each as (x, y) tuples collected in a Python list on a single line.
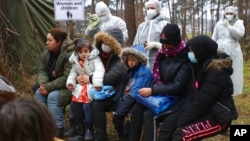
[(72, 107), (52, 102), (87, 113)]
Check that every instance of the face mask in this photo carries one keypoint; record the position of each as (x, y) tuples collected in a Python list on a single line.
[(106, 48), (151, 13), (229, 17), (192, 58)]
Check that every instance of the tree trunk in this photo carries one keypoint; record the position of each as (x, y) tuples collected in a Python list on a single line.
[(130, 20)]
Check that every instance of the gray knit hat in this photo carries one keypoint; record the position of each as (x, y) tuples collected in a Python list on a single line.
[(7, 91)]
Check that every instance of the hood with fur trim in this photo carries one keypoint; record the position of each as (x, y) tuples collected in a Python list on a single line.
[(221, 61), (112, 37), (137, 51)]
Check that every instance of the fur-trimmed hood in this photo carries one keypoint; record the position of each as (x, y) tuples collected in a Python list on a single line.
[(137, 50), (221, 61), (112, 37)]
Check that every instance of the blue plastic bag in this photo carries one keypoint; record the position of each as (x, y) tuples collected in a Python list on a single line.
[(158, 103), (106, 92)]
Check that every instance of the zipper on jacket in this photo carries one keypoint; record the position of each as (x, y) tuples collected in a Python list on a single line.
[(223, 106)]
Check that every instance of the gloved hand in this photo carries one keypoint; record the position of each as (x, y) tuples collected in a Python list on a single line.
[(94, 21), (151, 45), (226, 23)]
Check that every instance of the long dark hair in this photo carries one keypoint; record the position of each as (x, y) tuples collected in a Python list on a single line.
[(24, 119)]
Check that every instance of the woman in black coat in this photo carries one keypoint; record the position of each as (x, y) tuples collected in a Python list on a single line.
[(109, 43)]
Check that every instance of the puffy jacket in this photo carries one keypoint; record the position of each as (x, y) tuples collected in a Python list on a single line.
[(115, 71), (62, 69), (175, 72), (214, 93)]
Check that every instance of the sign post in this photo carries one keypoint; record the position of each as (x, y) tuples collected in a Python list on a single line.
[(69, 10)]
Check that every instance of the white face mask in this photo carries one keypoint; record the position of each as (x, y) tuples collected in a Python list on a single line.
[(151, 13), (106, 48), (229, 17)]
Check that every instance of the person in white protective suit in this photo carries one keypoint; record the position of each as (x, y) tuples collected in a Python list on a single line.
[(148, 32), (106, 21), (227, 33)]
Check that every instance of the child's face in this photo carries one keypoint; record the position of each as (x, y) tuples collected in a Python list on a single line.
[(83, 53), (132, 61)]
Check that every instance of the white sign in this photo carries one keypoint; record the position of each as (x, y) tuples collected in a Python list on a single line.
[(69, 10)]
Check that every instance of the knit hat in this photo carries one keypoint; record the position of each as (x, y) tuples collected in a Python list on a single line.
[(101, 9), (116, 33), (154, 2), (171, 35), (203, 47), (137, 51), (7, 91)]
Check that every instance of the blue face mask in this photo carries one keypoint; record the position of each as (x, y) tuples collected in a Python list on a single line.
[(192, 58)]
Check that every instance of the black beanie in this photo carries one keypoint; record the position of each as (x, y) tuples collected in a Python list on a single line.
[(171, 35)]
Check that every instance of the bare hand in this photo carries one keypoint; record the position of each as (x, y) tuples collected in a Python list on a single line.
[(80, 79), (85, 78), (98, 88), (71, 87), (43, 90), (145, 92)]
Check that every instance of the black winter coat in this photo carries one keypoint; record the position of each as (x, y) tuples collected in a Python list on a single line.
[(214, 93), (176, 73)]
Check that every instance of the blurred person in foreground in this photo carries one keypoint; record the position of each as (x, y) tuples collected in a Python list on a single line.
[(25, 119)]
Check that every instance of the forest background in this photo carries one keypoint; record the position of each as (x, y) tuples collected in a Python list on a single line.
[(24, 25)]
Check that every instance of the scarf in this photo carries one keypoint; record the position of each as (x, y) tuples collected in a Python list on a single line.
[(166, 52)]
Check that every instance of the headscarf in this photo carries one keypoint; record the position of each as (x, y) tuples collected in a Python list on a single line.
[(174, 52)]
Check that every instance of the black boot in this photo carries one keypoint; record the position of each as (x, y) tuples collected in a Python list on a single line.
[(118, 124), (88, 132), (72, 131), (100, 135), (60, 132), (80, 134)]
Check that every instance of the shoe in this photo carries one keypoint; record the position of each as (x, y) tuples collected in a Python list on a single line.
[(70, 133), (76, 138), (59, 133), (88, 135)]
